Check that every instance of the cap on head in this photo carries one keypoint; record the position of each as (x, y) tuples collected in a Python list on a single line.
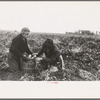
[(25, 29), (48, 42)]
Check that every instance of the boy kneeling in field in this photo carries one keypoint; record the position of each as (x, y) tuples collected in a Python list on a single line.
[(52, 53), (18, 47)]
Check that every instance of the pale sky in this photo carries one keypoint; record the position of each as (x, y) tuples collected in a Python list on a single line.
[(50, 16)]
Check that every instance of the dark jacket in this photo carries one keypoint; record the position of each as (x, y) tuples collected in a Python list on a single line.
[(19, 46), (50, 52)]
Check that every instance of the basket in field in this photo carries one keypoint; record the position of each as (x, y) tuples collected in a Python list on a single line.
[(29, 66)]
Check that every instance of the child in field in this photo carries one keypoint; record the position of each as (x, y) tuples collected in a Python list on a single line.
[(52, 55), (18, 47)]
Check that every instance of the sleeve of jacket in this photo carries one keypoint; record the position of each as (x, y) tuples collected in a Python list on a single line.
[(27, 48), (55, 54), (41, 51), (15, 49)]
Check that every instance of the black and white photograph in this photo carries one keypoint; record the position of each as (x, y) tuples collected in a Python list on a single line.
[(49, 41), (49, 49)]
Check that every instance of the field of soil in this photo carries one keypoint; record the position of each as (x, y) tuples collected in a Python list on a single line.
[(81, 56)]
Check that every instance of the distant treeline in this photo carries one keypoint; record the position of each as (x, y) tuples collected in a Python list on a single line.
[(82, 32)]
